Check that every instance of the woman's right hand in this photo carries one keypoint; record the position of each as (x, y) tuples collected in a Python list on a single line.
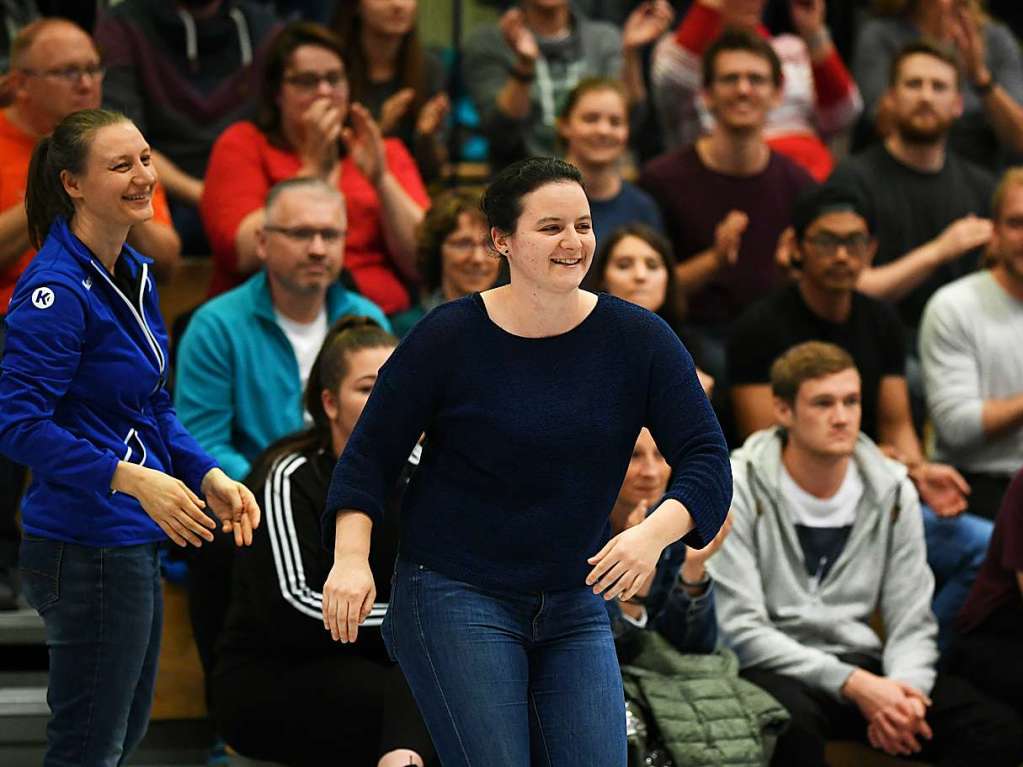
[(519, 37), (176, 509), (348, 596), (321, 127)]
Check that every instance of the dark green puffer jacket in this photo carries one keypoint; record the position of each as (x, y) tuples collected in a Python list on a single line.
[(705, 713)]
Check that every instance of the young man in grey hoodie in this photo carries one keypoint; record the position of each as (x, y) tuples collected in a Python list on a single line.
[(827, 532)]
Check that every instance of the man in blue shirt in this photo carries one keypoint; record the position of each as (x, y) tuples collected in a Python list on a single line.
[(246, 355), (245, 358)]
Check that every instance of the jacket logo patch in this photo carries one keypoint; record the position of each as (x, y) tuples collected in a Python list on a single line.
[(42, 298), (87, 283)]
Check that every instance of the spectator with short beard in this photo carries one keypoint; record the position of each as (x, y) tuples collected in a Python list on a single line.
[(929, 203)]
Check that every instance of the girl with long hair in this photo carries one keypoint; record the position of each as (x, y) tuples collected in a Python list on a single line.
[(391, 73), (282, 690)]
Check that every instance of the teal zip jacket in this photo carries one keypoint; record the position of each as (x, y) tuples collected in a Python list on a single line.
[(237, 384)]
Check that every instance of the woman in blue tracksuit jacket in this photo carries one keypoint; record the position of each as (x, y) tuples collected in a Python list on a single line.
[(83, 403)]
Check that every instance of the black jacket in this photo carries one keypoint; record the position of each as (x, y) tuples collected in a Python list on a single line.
[(276, 595)]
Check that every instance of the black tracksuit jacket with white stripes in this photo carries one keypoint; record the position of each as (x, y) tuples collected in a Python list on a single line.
[(276, 595)]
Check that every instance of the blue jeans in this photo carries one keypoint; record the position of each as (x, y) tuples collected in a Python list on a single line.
[(956, 548), (508, 678), (103, 611)]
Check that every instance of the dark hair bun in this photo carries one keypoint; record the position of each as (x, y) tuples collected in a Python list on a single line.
[(502, 202)]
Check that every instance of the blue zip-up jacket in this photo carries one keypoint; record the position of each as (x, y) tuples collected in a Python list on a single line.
[(238, 386), (82, 387)]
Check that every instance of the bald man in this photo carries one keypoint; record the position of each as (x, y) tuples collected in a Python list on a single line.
[(55, 70)]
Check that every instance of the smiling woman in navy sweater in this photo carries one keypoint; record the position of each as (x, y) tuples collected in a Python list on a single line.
[(531, 397), (83, 404)]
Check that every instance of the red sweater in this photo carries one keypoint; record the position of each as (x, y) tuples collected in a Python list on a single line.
[(244, 166)]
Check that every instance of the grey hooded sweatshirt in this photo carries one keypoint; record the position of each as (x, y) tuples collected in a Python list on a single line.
[(776, 617)]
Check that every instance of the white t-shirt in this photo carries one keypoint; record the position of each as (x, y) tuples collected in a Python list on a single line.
[(837, 511), (306, 340)]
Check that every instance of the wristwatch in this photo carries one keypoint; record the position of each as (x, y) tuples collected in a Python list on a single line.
[(522, 77), (987, 86), (703, 583)]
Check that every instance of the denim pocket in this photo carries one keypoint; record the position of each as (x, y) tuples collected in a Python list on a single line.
[(39, 563)]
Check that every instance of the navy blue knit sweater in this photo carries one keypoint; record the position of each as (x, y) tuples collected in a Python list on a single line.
[(527, 441)]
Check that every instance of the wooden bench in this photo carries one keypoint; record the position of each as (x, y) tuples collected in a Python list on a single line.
[(846, 753), (179, 678), (186, 289)]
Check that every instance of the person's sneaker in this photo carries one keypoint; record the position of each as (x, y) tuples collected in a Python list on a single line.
[(8, 589)]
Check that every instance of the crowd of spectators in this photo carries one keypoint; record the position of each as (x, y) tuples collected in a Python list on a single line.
[(819, 201)]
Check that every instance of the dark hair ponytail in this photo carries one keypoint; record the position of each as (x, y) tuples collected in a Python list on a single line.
[(348, 334), (66, 149)]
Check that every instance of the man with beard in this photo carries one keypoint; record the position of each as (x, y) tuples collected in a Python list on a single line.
[(833, 245), (726, 199), (929, 204), (970, 346)]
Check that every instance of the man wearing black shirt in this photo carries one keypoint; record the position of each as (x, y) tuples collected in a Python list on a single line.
[(930, 205), (833, 247)]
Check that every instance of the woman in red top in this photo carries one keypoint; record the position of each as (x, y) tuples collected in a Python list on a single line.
[(306, 127)]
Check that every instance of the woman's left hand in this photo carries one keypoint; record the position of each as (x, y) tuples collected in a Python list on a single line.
[(365, 144), (234, 505), (625, 563)]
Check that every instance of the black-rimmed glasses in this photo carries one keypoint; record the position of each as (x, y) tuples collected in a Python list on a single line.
[(329, 235)]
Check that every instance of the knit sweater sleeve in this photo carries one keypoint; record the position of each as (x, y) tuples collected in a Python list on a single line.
[(837, 101), (406, 394), (688, 435), (951, 372)]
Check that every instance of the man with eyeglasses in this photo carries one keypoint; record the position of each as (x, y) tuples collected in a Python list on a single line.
[(833, 245), (55, 70), (726, 199), (819, 98), (246, 355), (971, 347)]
